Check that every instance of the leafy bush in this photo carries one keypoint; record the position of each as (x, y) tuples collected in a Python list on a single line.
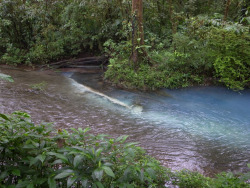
[(204, 49), (216, 49), (187, 179), (35, 156), (228, 180), (231, 50), (169, 70), (43, 31), (13, 55)]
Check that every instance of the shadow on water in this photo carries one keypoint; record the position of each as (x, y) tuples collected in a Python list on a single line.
[(205, 128)]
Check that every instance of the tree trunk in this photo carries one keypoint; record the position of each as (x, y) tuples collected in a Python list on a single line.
[(172, 17), (227, 9), (137, 30)]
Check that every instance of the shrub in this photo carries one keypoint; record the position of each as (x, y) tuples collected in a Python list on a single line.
[(187, 179), (35, 156), (13, 55), (169, 70), (228, 180), (231, 50)]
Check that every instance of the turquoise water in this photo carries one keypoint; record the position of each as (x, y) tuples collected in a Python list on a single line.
[(215, 120), (211, 112)]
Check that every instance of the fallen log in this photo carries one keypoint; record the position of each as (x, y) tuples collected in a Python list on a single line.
[(80, 62)]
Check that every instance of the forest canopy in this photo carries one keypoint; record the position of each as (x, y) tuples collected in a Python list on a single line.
[(151, 44)]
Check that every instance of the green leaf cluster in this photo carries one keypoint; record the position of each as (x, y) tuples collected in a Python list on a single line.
[(36, 156)]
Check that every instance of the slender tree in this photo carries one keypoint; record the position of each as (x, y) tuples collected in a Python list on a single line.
[(137, 29), (228, 2), (172, 17)]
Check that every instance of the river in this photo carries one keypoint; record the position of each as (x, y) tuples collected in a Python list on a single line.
[(205, 129)]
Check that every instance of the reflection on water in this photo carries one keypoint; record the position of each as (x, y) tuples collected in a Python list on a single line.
[(204, 129)]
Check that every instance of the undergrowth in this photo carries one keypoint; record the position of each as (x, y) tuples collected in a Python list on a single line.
[(203, 50)]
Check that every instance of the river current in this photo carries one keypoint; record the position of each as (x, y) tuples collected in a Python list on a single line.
[(205, 129)]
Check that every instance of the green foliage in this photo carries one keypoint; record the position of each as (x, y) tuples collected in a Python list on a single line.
[(121, 50), (203, 50), (35, 156), (171, 70), (187, 179), (28, 31), (216, 49), (232, 56), (43, 31), (228, 180)]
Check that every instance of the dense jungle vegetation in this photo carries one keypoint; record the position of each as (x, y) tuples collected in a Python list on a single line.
[(151, 44)]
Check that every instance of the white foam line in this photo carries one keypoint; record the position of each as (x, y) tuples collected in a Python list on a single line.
[(88, 89)]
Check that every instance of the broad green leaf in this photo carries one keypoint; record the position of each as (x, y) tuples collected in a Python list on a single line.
[(4, 117), (131, 152), (151, 164), (127, 172), (16, 172), (98, 152), (33, 161), (71, 180), (22, 114), (141, 175), (108, 164), (22, 184), (77, 160), (58, 155), (40, 181), (58, 161), (78, 148), (131, 144), (108, 171), (52, 182), (99, 184), (64, 174), (3, 175), (84, 182), (41, 157), (86, 129), (98, 173), (130, 186), (30, 185), (121, 139), (151, 172), (29, 146)]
